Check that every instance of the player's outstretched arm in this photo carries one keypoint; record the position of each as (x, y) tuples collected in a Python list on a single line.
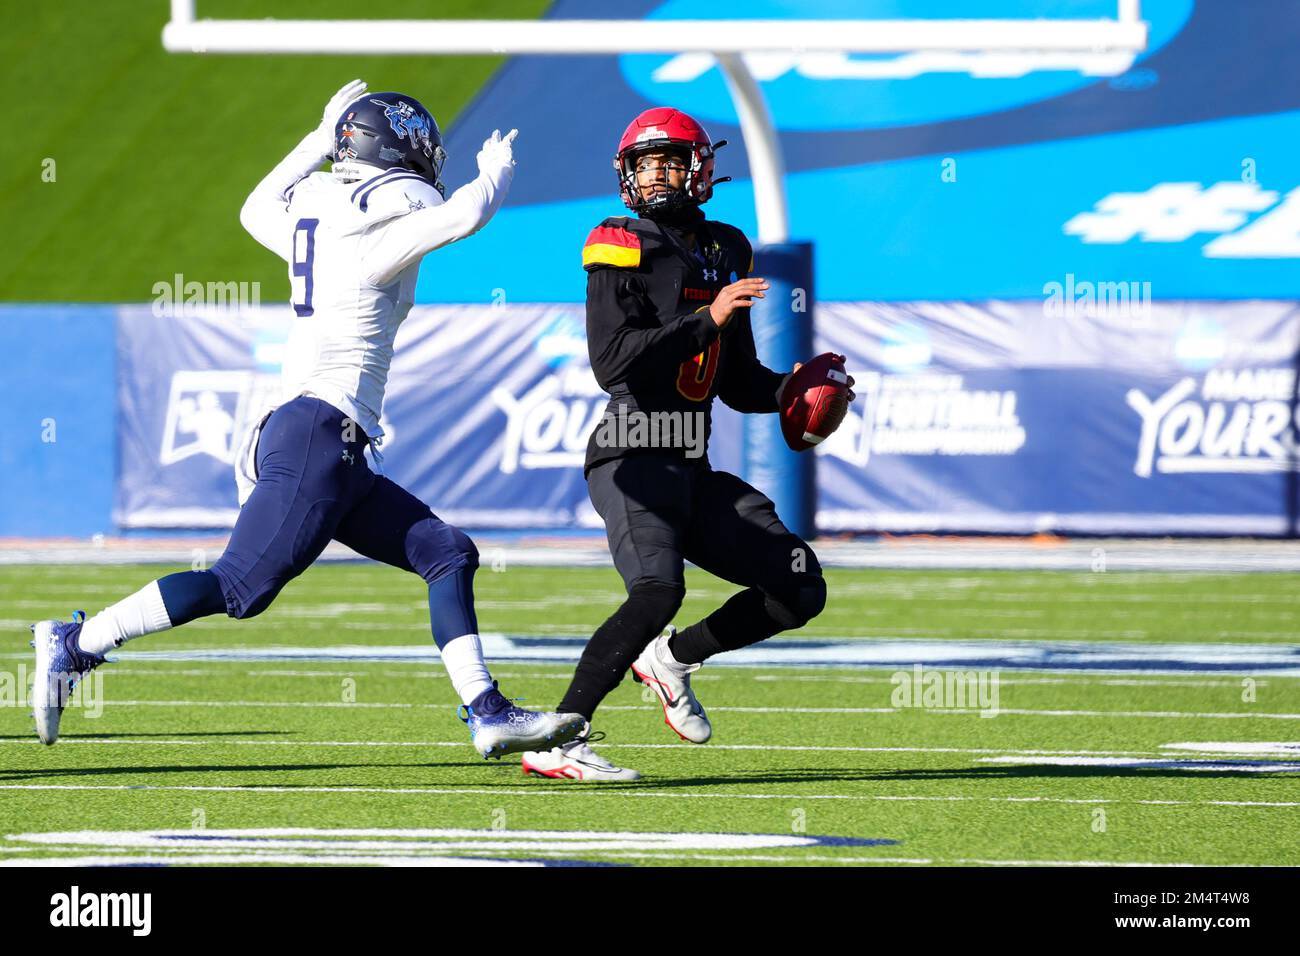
[(266, 210), (408, 239)]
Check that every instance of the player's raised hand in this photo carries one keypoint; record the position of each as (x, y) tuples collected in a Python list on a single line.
[(497, 151), (346, 94), (334, 109), (738, 295)]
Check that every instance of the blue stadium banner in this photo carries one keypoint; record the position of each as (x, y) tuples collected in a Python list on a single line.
[(1110, 415), (186, 383), (1072, 414)]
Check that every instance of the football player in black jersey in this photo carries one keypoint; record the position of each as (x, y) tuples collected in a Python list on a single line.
[(668, 329)]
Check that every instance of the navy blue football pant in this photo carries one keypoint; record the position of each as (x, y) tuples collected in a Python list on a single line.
[(314, 485)]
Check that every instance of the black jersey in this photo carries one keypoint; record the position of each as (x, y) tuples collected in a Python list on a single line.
[(654, 346)]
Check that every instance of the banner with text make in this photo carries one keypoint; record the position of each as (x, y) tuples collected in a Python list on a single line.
[(1094, 410)]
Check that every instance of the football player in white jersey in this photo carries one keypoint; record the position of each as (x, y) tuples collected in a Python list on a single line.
[(352, 238)]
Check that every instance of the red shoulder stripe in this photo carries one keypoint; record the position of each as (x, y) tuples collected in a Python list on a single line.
[(614, 236)]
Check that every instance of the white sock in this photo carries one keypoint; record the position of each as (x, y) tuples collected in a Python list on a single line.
[(463, 658), (141, 613)]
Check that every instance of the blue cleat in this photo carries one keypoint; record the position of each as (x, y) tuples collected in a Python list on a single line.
[(497, 727), (60, 664)]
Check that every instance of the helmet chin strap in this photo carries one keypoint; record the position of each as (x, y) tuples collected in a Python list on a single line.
[(683, 213)]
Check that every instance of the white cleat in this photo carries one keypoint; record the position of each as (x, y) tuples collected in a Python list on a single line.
[(671, 683), (60, 665), (575, 761)]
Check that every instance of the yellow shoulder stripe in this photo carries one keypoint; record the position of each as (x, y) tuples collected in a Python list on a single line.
[(607, 254)]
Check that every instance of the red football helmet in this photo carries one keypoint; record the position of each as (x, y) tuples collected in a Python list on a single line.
[(658, 128)]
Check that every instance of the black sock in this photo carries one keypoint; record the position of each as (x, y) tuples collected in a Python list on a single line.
[(616, 644), (745, 619)]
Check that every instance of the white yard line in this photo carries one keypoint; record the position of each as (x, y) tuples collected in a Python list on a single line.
[(1094, 658), (347, 669), (1289, 748), (361, 705), (608, 790), (953, 711), (1092, 679), (781, 748)]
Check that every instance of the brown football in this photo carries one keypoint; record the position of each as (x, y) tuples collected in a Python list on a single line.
[(814, 401)]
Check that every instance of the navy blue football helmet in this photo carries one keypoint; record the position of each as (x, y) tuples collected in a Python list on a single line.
[(388, 130)]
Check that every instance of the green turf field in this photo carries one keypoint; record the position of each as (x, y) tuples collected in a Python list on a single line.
[(802, 757), (154, 152)]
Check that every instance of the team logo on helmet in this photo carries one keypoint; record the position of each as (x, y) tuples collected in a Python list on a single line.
[(409, 123), (344, 150)]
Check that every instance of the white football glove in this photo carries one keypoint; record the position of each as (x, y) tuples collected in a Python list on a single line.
[(497, 152), (780, 389), (334, 109)]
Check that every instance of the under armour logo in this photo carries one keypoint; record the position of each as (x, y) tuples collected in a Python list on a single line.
[(710, 275), (349, 458)]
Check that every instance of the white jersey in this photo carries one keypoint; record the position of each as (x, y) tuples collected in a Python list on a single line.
[(353, 251)]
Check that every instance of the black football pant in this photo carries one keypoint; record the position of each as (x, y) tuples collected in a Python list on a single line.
[(660, 511)]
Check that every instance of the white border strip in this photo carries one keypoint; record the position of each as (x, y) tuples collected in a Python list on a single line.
[(610, 37)]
